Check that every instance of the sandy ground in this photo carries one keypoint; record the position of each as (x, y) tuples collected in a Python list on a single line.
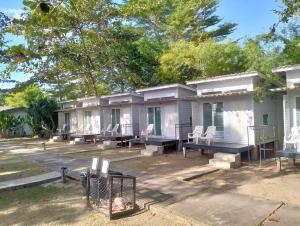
[(64, 206), (263, 182), (251, 179), (110, 154), (165, 164)]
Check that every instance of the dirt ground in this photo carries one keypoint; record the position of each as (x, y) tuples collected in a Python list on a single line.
[(262, 182), (250, 179), (64, 206), (110, 153), (165, 164)]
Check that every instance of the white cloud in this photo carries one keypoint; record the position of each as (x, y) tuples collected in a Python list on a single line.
[(12, 12)]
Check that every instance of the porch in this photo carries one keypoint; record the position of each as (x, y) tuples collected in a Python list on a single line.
[(229, 148)]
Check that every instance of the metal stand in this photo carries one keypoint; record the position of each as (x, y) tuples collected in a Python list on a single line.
[(261, 133)]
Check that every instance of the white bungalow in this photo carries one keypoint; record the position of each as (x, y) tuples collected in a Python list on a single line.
[(123, 109), (81, 116), (227, 102), (67, 117), (291, 99), (168, 108)]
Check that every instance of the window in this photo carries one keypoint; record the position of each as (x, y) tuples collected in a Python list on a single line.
[(265, 119), (298, 110), (88, 120), (67, 122), (213, 116), (115, 118), (154, 118)]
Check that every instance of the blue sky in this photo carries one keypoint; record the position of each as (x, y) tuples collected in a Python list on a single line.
[(252, 16)]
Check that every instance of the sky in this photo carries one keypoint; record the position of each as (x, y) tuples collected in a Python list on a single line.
[(252, 16)]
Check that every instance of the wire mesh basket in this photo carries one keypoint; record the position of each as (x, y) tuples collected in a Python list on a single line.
[(113, 194)]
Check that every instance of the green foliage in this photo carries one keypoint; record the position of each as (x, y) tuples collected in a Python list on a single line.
[(41, 116), (174, 20), (9, 123), (24, 98), (94, 47), (291, 9), (185, 60)]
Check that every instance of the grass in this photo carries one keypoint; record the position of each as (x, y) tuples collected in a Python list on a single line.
[(63, 206), (19, 170)]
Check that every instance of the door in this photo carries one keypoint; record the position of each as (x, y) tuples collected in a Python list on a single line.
[(67, 122), (298, 111), (213, 116), (88, 121), (115, 118), (154, 117)]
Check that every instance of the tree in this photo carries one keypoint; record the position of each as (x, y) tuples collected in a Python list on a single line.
[(173, 20), (72, 41), (184, 61), (291, 9), (23, 99), (41, 116)]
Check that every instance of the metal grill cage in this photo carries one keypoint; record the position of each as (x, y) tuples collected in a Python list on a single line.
[(113, 194)]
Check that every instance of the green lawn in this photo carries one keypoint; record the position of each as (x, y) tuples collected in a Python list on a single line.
[(19, 169)]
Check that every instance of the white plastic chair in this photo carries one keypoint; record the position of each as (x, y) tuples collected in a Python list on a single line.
[(148, 132), (114, 130), (196, 134), (88, 129), (293, 139), (209, 135), (108, 129)]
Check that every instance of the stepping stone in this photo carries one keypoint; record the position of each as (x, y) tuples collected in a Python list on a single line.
[(29, 181)]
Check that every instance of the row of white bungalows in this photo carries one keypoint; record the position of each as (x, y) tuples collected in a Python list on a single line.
[(227, 102), (167, 107)]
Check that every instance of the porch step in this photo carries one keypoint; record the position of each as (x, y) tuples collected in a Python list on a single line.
[(228, 157), (108, 144), (221, 164), (152, 150), (56, 139), (77, 140)]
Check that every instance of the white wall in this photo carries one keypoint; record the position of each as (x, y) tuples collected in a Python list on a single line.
[(90, 102), (169, 117), (170, 92), (238, 114), (73, 120), (292, 77), (119, 99), (291, 103), (226, 85), (68, 105), (125, 118)]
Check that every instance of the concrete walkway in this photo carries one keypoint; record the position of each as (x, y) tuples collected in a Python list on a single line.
[(28, 181)]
